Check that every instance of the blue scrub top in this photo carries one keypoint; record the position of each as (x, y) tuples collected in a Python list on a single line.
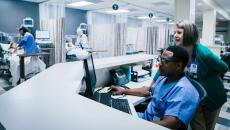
[(179, 99), (28, 44)]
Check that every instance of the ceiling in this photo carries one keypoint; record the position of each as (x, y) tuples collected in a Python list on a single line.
[(160, 8), (136, 7), (225, 4)]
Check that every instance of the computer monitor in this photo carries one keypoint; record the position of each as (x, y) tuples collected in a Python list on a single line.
[(42, 34), (28, 22), (90, 76)]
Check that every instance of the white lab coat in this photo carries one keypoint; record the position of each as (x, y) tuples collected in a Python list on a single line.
[(82, 41)]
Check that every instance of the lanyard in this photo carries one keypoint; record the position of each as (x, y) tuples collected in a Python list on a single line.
[(192, 71)]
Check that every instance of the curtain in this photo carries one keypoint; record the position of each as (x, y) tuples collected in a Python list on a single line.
[(52, 18), (165, 31), (152, 40), (149, 36), (121, 33), (144, 38), (107, 32), (101, 37), (136, 40), (120, 39)]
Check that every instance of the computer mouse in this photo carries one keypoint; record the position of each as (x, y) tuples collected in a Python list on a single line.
[(105, 90), (117, 96)]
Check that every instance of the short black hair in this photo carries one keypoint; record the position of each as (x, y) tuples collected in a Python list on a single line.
[(179, 54), (191, 33), (24, 29)]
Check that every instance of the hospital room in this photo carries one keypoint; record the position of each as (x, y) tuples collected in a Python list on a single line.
[(114, 64)]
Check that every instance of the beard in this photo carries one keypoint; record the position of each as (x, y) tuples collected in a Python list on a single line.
[(164, 73)]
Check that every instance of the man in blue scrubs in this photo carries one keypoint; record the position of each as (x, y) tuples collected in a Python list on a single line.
[(174, 99), (27, 42)]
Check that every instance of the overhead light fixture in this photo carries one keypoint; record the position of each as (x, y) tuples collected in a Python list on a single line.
[(146, 17), (161, 20), (80, 3), (171, 23), (164, 20), (117, 11), (143, 17)]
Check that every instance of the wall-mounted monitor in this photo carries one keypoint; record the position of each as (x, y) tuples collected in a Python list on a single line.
[(42, 34), (28, 22)]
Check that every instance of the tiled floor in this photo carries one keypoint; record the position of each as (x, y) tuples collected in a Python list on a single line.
[(3, 84), (223, 122)]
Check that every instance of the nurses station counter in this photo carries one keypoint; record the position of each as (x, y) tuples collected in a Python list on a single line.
[(50, 101)]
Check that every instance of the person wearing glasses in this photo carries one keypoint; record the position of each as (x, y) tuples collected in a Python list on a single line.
[(174, 99), (205, 67)]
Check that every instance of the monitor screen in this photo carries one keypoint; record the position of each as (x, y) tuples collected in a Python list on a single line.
[(28, 22), (42, 34), (90, 77)]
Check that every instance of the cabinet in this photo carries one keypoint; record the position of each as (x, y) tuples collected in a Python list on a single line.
[(48, 48)]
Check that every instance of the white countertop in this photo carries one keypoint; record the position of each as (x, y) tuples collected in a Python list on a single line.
[(121, 60), (49, 101)]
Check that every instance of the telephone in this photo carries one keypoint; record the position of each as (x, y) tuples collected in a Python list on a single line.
[(119, 77)]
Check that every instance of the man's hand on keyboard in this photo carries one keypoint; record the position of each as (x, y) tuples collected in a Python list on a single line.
[(118, 90)]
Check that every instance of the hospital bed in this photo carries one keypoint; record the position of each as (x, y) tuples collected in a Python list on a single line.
[(32, 65)]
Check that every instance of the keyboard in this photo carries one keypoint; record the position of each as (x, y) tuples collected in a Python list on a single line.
[(104, 98), (119, 104)]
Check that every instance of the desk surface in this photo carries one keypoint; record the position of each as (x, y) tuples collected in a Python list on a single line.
[(44, 111), (135, 100), (48, 101), (33, 54), (121, 60)]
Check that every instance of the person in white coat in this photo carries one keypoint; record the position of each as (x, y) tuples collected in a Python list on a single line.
[(82, 40)]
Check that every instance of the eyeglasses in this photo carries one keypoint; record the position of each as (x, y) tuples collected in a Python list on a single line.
[(164, 60)]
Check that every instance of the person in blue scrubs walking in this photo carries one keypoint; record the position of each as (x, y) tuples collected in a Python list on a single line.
[(174, 99), (27, 42)]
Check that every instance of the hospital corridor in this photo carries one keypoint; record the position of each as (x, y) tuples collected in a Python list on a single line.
[(114, 65)]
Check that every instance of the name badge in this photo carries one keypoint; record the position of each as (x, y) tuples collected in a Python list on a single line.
[(193, 68)]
